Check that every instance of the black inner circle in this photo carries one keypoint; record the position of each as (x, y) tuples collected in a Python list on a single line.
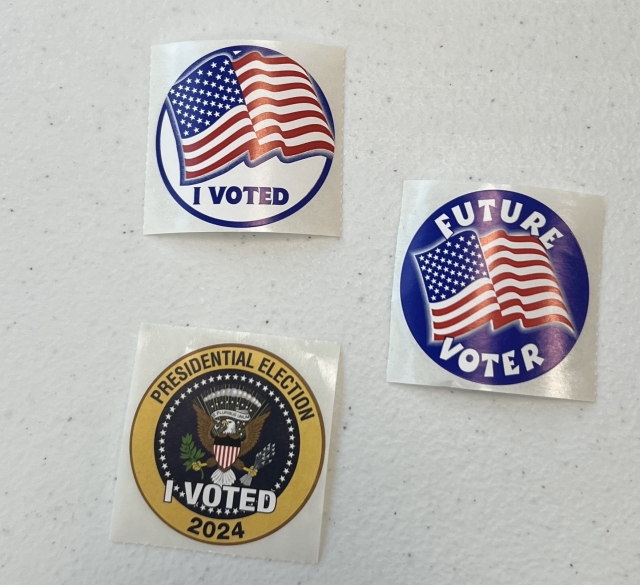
[(230, 401)]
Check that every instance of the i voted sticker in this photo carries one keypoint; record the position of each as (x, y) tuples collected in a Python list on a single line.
[(244, 137), (227, 444)]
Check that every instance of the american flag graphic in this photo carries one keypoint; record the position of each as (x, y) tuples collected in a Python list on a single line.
[(498, 278), (225, 455), (250, 108)]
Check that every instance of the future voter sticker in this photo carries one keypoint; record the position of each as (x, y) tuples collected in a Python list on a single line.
[(245, 137), (227, 444), (494, 287)]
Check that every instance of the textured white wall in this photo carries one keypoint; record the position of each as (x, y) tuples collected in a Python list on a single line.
[(428, 486)]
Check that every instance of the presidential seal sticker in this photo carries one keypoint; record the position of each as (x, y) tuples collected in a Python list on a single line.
[(495, 289), (244, 136), (227, 444)]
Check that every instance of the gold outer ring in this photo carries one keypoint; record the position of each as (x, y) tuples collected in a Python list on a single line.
[(258, 525)]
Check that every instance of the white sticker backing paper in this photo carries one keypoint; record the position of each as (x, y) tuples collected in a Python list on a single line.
[(245, 136), (496, 288), (226, 443)]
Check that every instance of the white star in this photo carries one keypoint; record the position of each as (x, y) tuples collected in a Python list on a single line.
[(182, 494), (163, 432), (277, 486), (218, 511), (189, 390), (176, 488), (243, 378), (219, 377), (211, 379)]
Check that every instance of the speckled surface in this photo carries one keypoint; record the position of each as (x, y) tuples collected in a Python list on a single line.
[(425, 486)]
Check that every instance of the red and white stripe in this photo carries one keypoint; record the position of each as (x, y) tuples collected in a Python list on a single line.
[(283, 105), (524, 281), (225, 455), (521, 286), (471, 308), (281, 111), (230, 137)]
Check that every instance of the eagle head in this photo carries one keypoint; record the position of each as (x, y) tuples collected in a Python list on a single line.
[(225, 426)]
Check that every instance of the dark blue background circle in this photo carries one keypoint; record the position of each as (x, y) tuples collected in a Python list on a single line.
[(553, 341), (184, 421), (258, 222)]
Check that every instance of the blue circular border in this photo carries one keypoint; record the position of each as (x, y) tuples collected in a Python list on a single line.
[(258, 222), (570, 268)]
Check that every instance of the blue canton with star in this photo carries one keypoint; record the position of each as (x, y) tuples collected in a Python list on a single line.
[(451, 266), (205, 95)]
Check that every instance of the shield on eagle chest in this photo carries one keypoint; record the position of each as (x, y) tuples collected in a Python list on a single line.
[(225, 455)]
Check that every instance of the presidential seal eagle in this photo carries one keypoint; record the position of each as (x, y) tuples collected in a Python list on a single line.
[(230, 422)]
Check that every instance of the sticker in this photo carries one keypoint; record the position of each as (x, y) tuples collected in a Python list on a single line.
[(495, 288), (227, 446), (245, 135)]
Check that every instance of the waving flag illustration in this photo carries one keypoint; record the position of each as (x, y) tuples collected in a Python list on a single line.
[(250, 108), (498, 278)]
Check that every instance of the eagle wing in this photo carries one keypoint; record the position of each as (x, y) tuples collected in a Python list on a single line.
[(205, 425), (252, 433)]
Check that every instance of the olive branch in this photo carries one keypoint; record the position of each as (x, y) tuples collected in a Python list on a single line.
[(190, 453)]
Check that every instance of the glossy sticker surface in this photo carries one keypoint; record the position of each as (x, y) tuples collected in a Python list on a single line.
[(243, 135), (496, 288), (227, 444)]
